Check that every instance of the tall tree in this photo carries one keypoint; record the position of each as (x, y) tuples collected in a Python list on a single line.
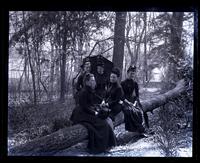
[(119, 39), (176, 25), (29, 57), (63, 60), (167, 44), (145, 48), (127, 39)]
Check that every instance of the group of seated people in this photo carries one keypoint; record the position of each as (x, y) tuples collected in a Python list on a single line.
[(100, 98)]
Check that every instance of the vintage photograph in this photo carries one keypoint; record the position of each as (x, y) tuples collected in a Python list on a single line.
[(100, 83)]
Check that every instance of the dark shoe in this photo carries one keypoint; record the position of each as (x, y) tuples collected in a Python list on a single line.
[(149, 131), (143, 135)]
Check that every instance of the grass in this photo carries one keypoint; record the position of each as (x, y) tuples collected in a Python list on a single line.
[(29, 122)]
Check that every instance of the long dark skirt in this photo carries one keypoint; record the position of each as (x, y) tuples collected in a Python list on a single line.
[(133, 119), (115, 109), (101, 135)]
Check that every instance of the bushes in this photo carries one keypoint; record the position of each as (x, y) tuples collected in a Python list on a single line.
[(172, 120), (18, 118), (27, 122), (166, 131), (60, 123)]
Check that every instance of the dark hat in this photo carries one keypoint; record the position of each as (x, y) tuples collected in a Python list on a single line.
[(100, 63), (132, 68), (116, 71), (87, 59)]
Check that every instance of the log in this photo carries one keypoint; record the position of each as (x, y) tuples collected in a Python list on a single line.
[(153, 103), (69, 136), (49, 144), (81, 148)]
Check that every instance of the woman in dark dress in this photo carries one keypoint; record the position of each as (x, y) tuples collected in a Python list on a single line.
[(102, 79), (101, 135), (114, 94), (130, 86), (133, 114), (86, 68)]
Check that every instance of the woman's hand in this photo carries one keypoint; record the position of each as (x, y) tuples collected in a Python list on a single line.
[(103, 104), (96, 113), (127, 102)]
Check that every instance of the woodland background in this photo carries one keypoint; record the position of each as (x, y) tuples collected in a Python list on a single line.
[(46, 49)]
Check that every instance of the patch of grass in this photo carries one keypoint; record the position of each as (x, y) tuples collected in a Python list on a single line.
[(60, 123), (54, 115)]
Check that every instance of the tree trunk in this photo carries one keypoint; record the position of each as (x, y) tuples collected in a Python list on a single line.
[(30, 63), (52, 73), (57, 71), (69, 136), (119, 39), (176, 46), (63, 62), (37, 67), (127, 39), (145, 49)]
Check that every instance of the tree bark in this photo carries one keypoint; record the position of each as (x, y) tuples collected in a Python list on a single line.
[(63, 62), (176, 24), (145, 49), (30, 62), (69, 136), (119, 39), (127, 39), (52, 72)]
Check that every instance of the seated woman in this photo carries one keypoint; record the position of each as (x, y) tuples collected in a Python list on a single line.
[(114, 94), (132, 117), (101, 135), (130, 86)]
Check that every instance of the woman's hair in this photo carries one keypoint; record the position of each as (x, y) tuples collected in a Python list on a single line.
[(85, 60), (116, 71), (86, 78)]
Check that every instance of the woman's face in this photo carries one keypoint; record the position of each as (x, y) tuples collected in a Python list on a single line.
[(113, 78), (131, 74), (92, 82), (87, 67), (100, 69)]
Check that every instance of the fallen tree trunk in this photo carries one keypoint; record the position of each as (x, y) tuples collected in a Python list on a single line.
[(153, 103), (69, 136), (81, 147)]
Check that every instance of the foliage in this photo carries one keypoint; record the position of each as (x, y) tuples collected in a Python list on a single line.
[(170, 53), (60, 123), (31, 32), (172, 121)]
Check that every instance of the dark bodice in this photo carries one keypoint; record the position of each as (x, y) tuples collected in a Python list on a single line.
[(129, 86), (114, 94)]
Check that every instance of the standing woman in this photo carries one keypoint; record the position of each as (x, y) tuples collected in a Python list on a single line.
[(86, 68), (102, 79), (101, 135)]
